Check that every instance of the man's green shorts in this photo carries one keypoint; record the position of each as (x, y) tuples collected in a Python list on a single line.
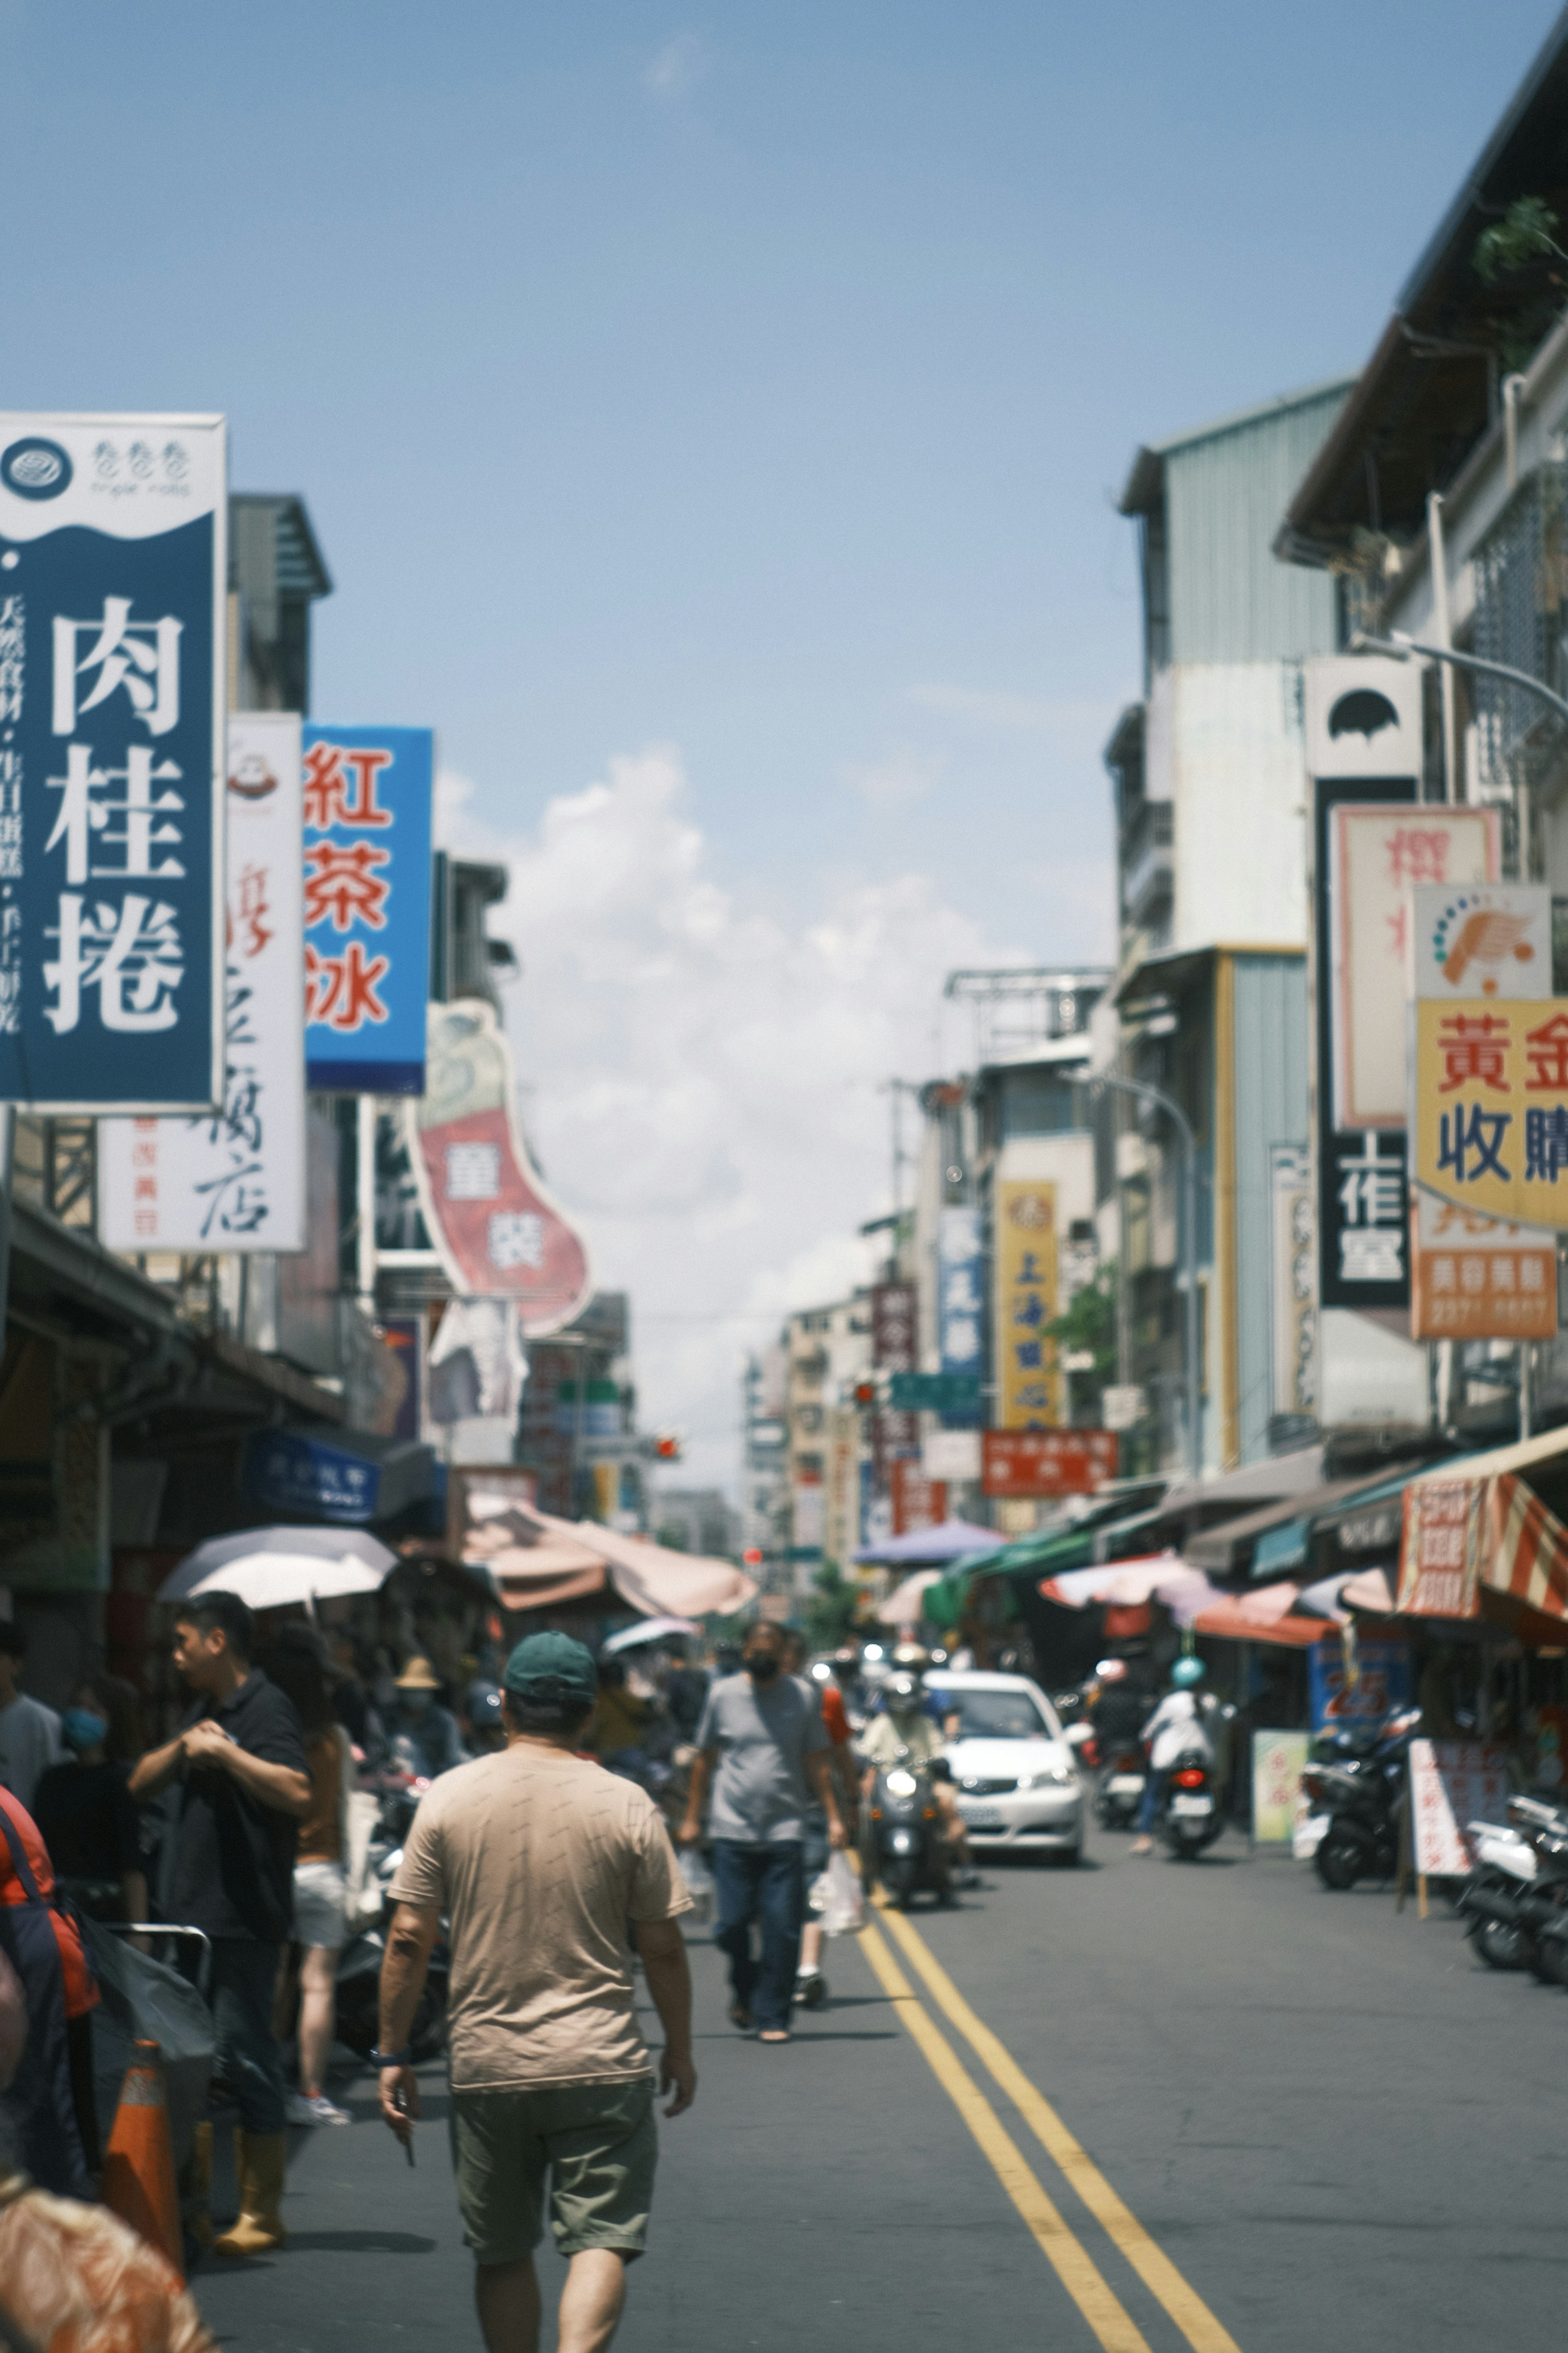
[(597, 2142)]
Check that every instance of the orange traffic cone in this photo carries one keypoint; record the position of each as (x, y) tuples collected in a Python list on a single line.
[(139, 2163)]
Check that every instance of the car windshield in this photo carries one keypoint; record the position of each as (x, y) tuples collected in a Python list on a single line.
[(996, 1714)]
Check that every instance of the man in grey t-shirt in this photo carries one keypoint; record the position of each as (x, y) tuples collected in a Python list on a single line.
[(764, 1731)]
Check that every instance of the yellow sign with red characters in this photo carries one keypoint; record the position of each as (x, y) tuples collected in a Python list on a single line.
[(1488, 1120)]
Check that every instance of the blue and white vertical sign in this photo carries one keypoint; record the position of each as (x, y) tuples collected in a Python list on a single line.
[(367, 907), (959, 1278), (114, 585)]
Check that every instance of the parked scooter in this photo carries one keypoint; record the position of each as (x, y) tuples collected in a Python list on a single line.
[(1189, 1818), (1119, 1792), (1357, 1792), (904, 1848), (1516, 1899)]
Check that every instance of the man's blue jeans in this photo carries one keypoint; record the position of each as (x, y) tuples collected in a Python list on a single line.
[(248, 2057), (768, 1885), (1153, 1791)]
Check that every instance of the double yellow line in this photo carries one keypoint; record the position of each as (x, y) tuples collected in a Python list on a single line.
[(1113, 2325)]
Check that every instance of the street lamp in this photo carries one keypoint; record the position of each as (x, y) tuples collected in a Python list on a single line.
[(1179, 1120), (1401, 647)]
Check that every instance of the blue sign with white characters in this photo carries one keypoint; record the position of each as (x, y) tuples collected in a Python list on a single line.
[(959, 1309), (292, 1473), (113, 583), (367, 907)]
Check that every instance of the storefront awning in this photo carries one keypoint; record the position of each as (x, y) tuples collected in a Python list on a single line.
[(1268, 1614), (534, 1561), (1479, 1539)]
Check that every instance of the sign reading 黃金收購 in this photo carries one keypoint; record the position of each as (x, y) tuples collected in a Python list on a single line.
[(1489, 1117), (367, 907), (234, 1178), (114, 579)]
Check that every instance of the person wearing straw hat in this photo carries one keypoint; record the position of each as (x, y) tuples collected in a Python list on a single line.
[(426, 1732)]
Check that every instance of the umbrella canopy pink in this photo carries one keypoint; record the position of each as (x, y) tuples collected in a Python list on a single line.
[(1127, 1584)]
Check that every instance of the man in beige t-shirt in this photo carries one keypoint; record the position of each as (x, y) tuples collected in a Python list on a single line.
[(539, 1858)]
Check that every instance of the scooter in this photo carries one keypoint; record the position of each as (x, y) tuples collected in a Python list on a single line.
[(1119, 1792), (1538, 1894), (906, 1849), (358, 1984), (1188, 1818), (1356, 1791), (1491, 1899)]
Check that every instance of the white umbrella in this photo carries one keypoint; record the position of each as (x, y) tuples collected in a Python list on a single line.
[(271, 1568), (650, 1629), (1127, 1584)]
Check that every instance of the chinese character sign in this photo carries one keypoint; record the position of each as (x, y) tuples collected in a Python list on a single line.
[(1440, 1548), (367, 907), (1475, 1278), (1454, 1783), (918, 1500), (895, 1348), (234, 1178), (499, 1232), (113, 571), (1489, 1112), (1028, 1386), (1293, 1271), (959, 1306), (1047, 1462)]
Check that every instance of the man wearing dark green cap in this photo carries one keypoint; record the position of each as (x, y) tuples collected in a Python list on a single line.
[(539, 1858)]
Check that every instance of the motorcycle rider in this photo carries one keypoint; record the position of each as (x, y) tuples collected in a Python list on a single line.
[(907, 1731), (1176, 1726)]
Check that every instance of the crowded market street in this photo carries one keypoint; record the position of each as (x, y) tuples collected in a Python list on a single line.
[(1324, 2114)]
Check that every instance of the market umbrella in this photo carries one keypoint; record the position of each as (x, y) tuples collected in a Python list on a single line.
[(1129, 1584), (271, 1568), (1264, 1615), (928, 1547), (902, 1605), (650, 1629)]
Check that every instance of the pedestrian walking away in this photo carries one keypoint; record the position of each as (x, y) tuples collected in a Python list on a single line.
[(299, 1664), (540, 1858), (245, 1787), (763, 1749)]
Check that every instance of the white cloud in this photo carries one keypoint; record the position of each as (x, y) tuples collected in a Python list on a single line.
[(676, 68), (706, 1080), (896, 782)]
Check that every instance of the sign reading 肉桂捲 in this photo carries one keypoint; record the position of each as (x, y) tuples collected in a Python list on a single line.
[(113, 607), (367, 907), (234, 1178)]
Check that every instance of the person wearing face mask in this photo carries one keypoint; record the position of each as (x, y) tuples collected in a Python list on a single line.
[(908, 1730), (84, 1809), (763, 1749), (421, 1728)]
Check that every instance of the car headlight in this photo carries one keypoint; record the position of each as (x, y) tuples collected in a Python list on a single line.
[(1050, 1776)]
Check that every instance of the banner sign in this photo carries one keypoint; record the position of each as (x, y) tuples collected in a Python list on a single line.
[(1047, 1462), (499, 1233), (944, 1393), (1383, 1682), (234, 1179), (1475, 1278), (895, 1343), (367, 907), (1293, 1271), (1377, 855), (1440, 1548), (1278, 1808), (1489, 1114), (1452, 1784), (113, 588), (918, 1500), (1489, 940), (959, 1307), (1029, 1389)]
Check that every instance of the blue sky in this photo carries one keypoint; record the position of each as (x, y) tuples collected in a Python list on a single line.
[(754, 383)]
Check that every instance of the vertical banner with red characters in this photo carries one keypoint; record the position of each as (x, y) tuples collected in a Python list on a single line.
[(499, 1233), (367, 907), (234, 1178)]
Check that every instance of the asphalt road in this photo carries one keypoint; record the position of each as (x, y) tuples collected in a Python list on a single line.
[(1235, 2112)]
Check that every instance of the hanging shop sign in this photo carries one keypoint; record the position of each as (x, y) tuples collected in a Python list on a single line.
[(367, 907), (895, 1347), (1382, 1681), (1029, 1386), (1440, 1550), (1041, 1463), (499, 1233), (960, 1305), (918, 1500), (1293, 1258), (1488, 1115), (113, 581), (1475, 1278), (234, 1178), (1364, 717)]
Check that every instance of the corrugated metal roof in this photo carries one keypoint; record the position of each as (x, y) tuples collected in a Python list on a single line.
[(1143, 480)]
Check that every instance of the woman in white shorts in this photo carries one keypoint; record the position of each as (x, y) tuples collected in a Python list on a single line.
[(298, 1665)]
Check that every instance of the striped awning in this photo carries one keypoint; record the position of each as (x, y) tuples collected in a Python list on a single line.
[(1465, 1537)]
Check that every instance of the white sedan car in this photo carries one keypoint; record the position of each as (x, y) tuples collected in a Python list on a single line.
[(1012, 1770)]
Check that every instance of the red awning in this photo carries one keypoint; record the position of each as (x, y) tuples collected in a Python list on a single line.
[(1479, 1532), (1263, 1616)]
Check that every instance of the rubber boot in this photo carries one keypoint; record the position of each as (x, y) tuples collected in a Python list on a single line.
[(258, 2162)]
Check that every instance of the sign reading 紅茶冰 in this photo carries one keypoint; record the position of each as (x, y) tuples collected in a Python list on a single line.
[(234, 1178), (1029, 1386), (367, 907), (1041, 1464), (114, 578)]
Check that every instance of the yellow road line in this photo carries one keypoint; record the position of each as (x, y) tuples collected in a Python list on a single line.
[(1120, 2224), (1075, 2268)]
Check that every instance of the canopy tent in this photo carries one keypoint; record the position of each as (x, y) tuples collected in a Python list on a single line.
[(1268, 1614), (534, 1561), (1127, 1585), (1098, 1536), (1480, 1541), (928, 1548)]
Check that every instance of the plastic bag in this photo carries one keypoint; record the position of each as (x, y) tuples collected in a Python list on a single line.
[(837, 1895), (699, 1882), (143, 1999)]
